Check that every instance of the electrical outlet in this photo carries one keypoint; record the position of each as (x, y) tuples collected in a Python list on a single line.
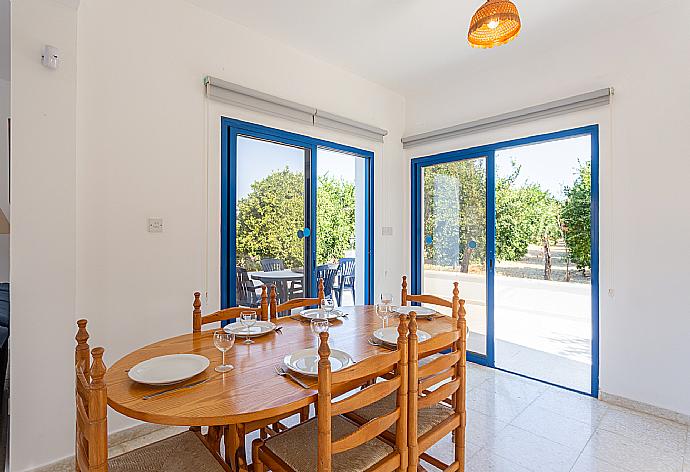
[(387, 231), (155, 225)]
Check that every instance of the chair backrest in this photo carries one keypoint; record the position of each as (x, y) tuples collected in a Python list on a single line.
[(269, 265), (347, 267), (91, 445), (295, 302), (443, 377), (327, 273), (243, 295), (355, 376), (227, 314), (453, 304)]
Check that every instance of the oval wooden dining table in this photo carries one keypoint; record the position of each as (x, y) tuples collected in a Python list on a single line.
[(252, 391)]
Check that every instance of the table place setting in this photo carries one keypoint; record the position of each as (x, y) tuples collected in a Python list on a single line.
[(168, 370), (327, 311), (422, 312), (306, 361)]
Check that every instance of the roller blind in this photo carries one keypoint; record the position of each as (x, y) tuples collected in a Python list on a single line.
[(558, 107), (238, 95)]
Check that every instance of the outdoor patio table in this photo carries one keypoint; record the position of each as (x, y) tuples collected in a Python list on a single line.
[(250, 392), (279, 278)]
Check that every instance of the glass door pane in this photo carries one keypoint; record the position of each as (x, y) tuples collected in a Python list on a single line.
[(341, 225), (272, 242), (454, 239), (542, 284)]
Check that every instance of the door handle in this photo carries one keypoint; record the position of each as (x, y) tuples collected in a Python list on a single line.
[(303, 233)]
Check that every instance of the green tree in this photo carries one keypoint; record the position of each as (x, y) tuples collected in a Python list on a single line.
[(525, 215), (455, 214), (270, 216), (335, 218), (577, 217), (268, 219)]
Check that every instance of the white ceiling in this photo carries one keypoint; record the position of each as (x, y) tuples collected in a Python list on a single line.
[(402, 44)]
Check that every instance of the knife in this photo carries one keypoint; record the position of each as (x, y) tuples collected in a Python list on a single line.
[(175, 389)]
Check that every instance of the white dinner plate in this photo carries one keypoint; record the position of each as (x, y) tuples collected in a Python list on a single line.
[(390, 335), (167, 370), (420, 310), (259, 329), (316, 313), (306, 361)]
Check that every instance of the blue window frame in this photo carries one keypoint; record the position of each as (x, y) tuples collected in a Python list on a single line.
[(231, 129), (489, 152)]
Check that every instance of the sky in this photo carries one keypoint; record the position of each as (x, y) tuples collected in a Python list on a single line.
[(550, 164), (256, 159)]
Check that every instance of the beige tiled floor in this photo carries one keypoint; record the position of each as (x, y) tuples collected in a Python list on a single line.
[(518, 425)]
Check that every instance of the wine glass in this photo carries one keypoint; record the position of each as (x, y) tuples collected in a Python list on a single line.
[(248, 319), (224, 342), (327, 305), (386, 298), (383, 312), (319, 326)]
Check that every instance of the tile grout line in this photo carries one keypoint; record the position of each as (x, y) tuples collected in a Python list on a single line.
[(509, 423)]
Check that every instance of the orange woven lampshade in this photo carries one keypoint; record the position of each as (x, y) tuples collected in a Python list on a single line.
[(495, 23)]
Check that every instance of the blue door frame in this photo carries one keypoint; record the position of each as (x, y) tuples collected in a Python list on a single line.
[(231, 129), (489, 152)]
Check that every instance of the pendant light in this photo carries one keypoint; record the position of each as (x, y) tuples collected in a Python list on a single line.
[(494, 24)]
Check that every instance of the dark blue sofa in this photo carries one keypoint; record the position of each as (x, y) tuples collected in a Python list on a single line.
[(4, 331)]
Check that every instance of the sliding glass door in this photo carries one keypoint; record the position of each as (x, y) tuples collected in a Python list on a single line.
[(294, 209), (516, 224), (543, 276), (270, 241), (454, 238)]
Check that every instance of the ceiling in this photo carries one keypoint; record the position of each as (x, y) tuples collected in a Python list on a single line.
[(402, 44)]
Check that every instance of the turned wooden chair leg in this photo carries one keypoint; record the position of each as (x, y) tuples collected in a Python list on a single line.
[(257, 465), (460, 445)]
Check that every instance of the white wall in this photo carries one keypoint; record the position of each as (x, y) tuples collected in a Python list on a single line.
[(645, 321), (4, 172), (43, 253), (147, 145)]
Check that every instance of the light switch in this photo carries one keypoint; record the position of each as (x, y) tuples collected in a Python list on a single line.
[(155, 225), (387, 231)]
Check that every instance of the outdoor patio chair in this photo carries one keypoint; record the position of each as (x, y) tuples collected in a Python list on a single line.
[(346, 279), (327, 273), (246, 289), (296, 288), (269, 265)]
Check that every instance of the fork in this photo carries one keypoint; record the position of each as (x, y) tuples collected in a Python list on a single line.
[(377, 343), (284, 373)]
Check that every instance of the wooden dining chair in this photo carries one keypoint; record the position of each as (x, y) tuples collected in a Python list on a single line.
[(288, 306), (182, 452), (437, 400), (234, 436), (432, 414), (226, 314), (406, 298), (332, 443)]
